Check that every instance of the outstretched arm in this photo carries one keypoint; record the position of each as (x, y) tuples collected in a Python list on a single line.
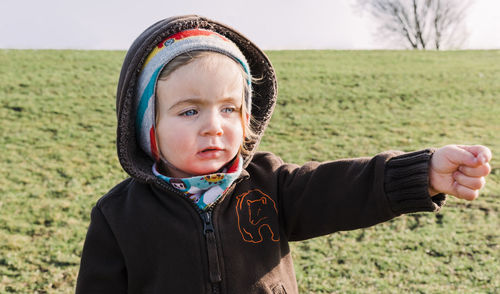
[(459, 170)]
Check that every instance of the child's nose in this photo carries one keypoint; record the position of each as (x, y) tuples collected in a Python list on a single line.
[(212, 125)]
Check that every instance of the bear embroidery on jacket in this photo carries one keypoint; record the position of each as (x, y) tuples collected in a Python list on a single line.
[(255, 211)]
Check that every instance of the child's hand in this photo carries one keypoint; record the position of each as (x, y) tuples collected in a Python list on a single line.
[(459, 170)]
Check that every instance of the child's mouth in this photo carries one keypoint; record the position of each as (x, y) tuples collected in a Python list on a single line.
[(210, 149), (211, 152)]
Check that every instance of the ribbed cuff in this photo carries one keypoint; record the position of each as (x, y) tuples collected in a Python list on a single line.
[(406, 183)]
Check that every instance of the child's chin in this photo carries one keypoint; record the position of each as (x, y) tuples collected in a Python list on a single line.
[(205, 170)]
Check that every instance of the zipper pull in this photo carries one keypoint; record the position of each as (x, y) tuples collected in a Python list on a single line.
[(213, 256), (207, 222)]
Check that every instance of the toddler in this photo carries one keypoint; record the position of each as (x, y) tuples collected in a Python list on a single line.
[(203, 211)]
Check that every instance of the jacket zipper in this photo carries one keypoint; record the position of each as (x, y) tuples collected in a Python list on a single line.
[(213, 256), (211, 242), (209, 233)]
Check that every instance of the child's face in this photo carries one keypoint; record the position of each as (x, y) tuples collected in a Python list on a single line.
[(199, 126)]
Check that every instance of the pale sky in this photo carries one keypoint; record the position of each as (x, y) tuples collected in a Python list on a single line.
[(271, 24)]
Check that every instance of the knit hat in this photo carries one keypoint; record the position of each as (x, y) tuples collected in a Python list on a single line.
[(171, 47)]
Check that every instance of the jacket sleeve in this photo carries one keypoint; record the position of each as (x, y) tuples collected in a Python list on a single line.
[(321, 198), (102, 267)]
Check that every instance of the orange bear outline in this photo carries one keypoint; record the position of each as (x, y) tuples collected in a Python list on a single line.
[(259, 228)]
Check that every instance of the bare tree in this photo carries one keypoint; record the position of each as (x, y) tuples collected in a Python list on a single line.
[(422, 24)]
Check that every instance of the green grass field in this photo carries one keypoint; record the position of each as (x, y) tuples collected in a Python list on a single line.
[(57, 126)]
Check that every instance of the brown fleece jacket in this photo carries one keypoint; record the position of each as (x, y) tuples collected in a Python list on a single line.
[(144, 237)]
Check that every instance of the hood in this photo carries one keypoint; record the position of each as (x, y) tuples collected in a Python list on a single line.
[(264, 92)]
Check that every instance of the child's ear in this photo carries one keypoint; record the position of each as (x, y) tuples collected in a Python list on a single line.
[(246, 124)]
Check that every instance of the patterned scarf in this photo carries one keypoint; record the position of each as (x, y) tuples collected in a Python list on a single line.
[(205, 190)]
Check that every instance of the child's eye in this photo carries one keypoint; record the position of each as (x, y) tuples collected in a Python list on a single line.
[(228, 109), (231, 109), (189, 112)]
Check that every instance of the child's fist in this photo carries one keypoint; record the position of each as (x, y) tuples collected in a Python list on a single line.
[(459, 170)]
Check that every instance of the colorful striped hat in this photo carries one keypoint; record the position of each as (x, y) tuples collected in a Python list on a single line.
[(171, 47)]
